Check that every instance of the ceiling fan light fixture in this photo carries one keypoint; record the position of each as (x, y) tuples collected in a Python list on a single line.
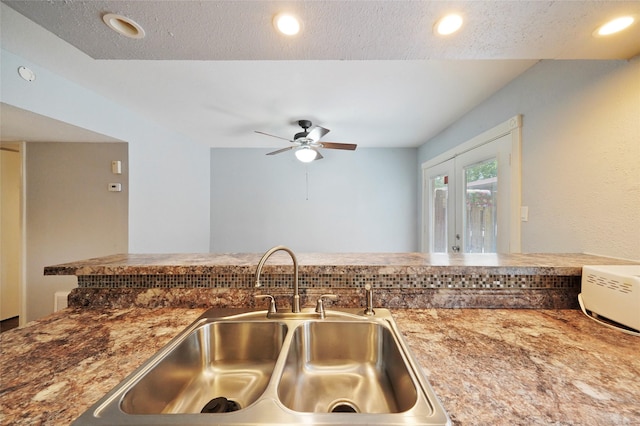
[(614, 26), (448, 24), (306, 154), (287, 24)]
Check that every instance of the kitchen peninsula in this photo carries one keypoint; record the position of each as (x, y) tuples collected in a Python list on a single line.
[(399, 280), (488, 366)]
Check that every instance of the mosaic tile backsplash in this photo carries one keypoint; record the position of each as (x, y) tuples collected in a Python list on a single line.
[(328, 281)]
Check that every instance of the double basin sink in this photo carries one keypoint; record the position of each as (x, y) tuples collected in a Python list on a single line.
[(230, 368)]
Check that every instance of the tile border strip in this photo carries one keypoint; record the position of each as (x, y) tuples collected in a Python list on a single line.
[(389, 281)]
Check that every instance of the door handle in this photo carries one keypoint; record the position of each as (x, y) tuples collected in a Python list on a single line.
[(456, 248)]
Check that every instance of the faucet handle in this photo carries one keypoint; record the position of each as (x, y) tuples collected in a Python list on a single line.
[(320, 304), (272, 304)]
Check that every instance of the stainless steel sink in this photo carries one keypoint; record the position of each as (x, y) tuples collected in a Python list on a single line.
[(345, 368), (230, 359)]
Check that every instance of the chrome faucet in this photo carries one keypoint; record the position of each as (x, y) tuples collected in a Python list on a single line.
[(295, 300)]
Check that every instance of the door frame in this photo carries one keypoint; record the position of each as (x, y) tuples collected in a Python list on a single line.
[(512, 127), (19, 148)]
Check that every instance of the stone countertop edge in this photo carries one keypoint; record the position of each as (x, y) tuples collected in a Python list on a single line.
[(498, 367), (565, 264)]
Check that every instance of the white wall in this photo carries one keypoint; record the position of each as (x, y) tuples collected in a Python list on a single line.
[(360, 201), (169, 173), (580, 149)]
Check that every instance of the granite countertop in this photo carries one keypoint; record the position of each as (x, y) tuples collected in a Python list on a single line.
[(516, 367), (204, 263)]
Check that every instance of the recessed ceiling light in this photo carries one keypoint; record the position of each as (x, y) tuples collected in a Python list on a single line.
[(448, 24), (287, 24), (123, 25), (614, 26)]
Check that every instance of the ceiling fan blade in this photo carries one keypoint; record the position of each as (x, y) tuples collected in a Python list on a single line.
[(335, 145), (273, 136), (281, 150), (319, 156), (317, 132)]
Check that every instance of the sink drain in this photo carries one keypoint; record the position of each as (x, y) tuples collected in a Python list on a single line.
[(343, 406), (220, 405)]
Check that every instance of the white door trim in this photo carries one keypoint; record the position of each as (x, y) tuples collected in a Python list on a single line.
[(512, 126)]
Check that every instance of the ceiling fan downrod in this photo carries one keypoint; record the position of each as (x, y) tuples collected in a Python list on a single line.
[(305, 124)]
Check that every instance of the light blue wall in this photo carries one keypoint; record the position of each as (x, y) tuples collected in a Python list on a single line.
[(168, 173), (580, 151), (541, 87), (360, 201)]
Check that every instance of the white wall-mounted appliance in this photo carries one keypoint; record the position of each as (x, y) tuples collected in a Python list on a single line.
[(611, 296)]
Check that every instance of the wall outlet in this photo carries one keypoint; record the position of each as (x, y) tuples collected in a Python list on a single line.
[(60, 300)]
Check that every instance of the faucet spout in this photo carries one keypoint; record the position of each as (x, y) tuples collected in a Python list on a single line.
[(295, 300)]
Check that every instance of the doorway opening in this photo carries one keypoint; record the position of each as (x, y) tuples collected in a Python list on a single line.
[(11, 234)]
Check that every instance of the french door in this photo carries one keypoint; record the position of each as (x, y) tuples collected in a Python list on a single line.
[(471, 202), (440, 206)]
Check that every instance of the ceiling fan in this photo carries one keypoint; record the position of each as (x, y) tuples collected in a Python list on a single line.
[(307, 142)]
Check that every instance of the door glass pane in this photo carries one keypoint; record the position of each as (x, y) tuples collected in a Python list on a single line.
[(439, 196), (480, 218)]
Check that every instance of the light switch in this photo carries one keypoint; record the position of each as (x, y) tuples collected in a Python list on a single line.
[(115, 187), (116, 167), (524, 213)]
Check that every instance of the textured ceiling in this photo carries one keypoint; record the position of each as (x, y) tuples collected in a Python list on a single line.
[(371, 71), (337, 30)]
